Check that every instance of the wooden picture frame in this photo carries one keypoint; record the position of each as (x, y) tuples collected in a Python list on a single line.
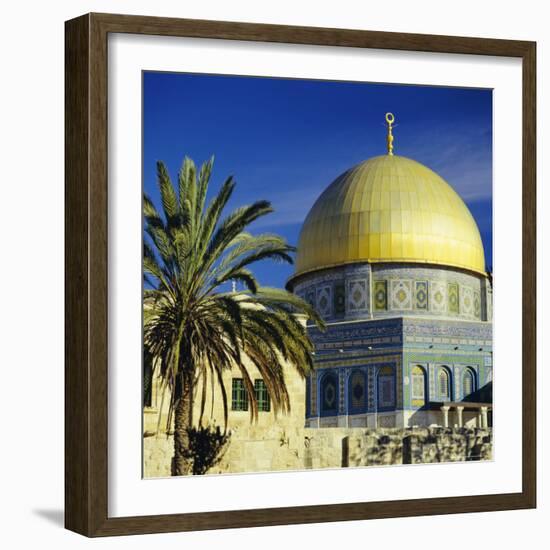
[(86, 280)]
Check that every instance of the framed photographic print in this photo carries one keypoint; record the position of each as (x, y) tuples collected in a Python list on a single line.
[(300, 275)]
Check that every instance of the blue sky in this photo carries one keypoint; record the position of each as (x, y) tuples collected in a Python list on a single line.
[(285, 140)]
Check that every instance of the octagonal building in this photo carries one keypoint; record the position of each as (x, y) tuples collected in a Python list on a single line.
[(392, 259)]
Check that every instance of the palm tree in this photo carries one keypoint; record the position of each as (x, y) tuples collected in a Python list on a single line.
[(194, 329)]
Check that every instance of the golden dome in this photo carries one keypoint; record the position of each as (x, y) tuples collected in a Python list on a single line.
[(389, 209)]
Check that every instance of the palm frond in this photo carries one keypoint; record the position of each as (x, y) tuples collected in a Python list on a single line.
[(168, 196), (193, 328)]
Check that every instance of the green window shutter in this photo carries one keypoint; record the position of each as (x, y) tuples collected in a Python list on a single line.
[(262, 396), (239, 397)]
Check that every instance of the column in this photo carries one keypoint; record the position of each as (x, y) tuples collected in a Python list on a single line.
[(459, 410), (445, 411), (484, 422)]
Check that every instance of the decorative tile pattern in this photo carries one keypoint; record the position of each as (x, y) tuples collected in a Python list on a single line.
[(456, 378), (398, 384), (313, 385), (386, 387), (380, 295), (452, 295), (393, 331), (401, 294), (329, 393), (431, 382), (358, 390), (477, 304), (421, 295), (357, 295), (447, 328), (339, 298), (342, 386), (324, 300), (466, 300), (310, 297), (433, 301), (438, 296), (370, 387)]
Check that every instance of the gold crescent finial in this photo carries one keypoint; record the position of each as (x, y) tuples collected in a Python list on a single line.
[(390, 120)]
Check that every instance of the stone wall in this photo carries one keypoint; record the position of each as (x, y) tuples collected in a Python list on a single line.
[(255, 449), (429, 445)]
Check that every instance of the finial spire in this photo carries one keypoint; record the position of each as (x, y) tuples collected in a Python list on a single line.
[(390, 120)]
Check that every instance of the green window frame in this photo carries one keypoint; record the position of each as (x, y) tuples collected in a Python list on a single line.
[(239, 397), (262, 396)]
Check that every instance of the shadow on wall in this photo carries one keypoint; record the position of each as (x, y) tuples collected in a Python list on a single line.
[(482, 395), (207, 446), (430, 414)]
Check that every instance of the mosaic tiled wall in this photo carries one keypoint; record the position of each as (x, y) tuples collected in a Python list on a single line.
[(361, 291), (380, 295), (409, 331), (458, 366), (356, 393), (354, 387), (404, 342), (339, 293)]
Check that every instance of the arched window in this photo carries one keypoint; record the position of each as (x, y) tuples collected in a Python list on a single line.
[(418, 386), (468, 383), (386, 388), (329, 394), (357, 392), (444, 384)]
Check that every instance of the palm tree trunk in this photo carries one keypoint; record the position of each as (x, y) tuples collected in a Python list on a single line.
[(183, 419)]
